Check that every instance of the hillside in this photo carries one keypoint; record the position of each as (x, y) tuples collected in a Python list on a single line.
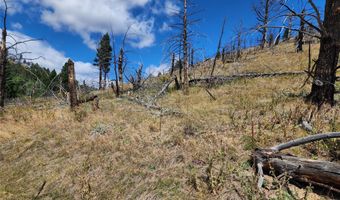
[(125, 151)]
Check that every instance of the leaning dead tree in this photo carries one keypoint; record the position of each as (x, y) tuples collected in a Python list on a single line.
[(272, 162), (218, 52)]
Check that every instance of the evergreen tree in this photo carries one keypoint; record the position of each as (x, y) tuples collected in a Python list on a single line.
[(63, 78), (104, 56)]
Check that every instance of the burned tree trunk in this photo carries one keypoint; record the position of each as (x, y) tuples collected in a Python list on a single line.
[(172, 64), (185, 51), (120, 68), (299, 47), (3, 58), (323, 88), (72, 84), (265, 22)]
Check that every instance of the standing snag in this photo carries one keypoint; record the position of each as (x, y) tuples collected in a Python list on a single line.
[(185, 50), (3, 57), (299, 47), (323, 88), (72, 84)]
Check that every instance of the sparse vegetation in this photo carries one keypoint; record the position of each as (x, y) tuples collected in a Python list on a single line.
[(119, 151), (225, 136)]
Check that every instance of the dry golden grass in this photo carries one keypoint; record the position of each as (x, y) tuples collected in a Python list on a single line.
[(123, 151)]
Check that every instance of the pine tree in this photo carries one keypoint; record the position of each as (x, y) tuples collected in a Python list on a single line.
[(63, 78), (104, 57)]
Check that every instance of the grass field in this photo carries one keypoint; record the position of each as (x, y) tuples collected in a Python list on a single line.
[(125, 151)]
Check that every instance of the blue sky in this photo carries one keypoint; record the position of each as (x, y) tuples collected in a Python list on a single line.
[(72, 28)]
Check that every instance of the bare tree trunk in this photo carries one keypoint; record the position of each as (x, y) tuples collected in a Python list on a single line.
[(180, 71), (72, 84), (105, 76), (116, 90), (299, 47), (192, 58), (218, 48), (185, 51), (120, 68), (100, 77), (172, 64), (3, 58), (265, 23), (323, 88)]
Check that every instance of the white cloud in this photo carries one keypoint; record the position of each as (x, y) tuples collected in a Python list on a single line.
[(13, 7), (165, 27), (87, 17), (16, 26), (45, 55), (171, 8), (155, 70)]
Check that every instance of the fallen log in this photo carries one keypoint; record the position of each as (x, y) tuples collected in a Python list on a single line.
[(322, 174), (225, 79)]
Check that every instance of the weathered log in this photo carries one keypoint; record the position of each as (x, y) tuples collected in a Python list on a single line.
[(225, 79), (323, 174), (319, 173)]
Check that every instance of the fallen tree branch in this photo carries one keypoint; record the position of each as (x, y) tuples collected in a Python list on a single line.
[(40, 190), (151, 106), (224, 79), (305, 140), (210, 94), (165, 87)]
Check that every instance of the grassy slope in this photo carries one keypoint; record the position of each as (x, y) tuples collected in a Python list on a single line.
[(123, 151)]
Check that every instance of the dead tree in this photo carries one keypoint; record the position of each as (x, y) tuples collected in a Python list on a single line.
[(218, 48), (182, 42), (272, 162), (323, 88), (71, 78), (299, 47), (327, 31), (185, 49), (3, 57), (239, 32), (192, 55), (115, 65), (262, 15), (120, 68), (172, 64), (136, 80)]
